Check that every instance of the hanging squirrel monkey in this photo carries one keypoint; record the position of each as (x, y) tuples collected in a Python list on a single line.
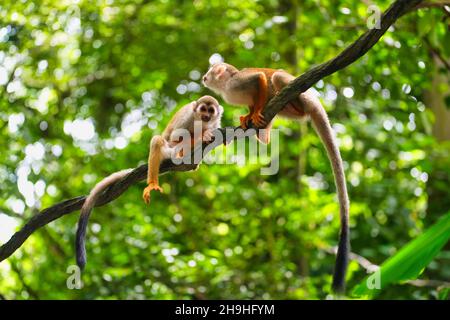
[(205, 111), (254, 87)]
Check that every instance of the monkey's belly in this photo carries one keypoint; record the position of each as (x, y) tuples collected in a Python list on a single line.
[(238, 98)]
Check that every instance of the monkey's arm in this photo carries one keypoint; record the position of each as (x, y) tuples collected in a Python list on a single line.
[(253, 83), (260, 100), (279, 80)]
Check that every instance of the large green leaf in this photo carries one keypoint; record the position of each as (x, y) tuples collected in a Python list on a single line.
[(409, 262)]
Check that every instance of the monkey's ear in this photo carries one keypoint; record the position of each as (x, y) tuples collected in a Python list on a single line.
[(219, 71), (195, 105)]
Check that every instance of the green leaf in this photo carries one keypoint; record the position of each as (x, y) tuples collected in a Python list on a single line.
[(409, 262), (444, 294)]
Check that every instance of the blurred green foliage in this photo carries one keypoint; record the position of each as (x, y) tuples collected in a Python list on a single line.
[(85, 84)]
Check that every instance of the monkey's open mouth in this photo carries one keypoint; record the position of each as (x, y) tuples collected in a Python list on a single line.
[(206, 118)]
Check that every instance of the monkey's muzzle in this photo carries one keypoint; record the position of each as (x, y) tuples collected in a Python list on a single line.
[(206, 118)]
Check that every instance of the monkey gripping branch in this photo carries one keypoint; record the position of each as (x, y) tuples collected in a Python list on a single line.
[(353, 52)]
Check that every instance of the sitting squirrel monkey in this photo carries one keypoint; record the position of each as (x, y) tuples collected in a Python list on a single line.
[(205, 111), (254, 87)]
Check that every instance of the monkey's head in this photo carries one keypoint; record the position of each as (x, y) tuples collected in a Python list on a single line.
[(218, 75), (207, 109)]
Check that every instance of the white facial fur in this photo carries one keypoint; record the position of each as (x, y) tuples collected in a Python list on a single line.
[(208, 112)]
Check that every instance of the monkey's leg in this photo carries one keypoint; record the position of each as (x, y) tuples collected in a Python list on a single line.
[(154, 160), (177, 147), (294, 109), (281, 79), (263, 135), (253, 86)]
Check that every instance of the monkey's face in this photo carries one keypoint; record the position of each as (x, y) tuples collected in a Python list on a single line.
[(216, 77), (206, 111)]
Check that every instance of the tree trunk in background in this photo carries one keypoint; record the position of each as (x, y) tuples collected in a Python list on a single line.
[(289, 9), (435, 100), (439, 177)]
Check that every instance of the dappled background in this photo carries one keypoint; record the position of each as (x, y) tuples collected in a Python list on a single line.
[(85, 84)]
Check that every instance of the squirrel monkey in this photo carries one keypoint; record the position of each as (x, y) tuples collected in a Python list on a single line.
[(206, 111), (254, 87)]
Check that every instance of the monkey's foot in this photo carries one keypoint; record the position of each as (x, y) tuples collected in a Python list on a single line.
[(150, 187), (258, 120)]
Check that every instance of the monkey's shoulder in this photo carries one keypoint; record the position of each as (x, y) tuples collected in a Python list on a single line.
[(267, 71), (182, 118)]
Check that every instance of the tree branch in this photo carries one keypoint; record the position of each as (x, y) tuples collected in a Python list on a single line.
[(289, 93)]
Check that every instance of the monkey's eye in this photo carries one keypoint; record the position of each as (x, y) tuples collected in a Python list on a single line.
[(211, 110), (203, 108)]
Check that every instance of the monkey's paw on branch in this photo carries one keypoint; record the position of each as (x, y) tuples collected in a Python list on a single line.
[(258, 120), (148, 189)]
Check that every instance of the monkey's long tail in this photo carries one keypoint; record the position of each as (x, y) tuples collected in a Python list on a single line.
[(322, 125), (86, 210)]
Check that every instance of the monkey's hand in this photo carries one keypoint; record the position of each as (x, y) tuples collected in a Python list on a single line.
[(151, 186), (207, 136)]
